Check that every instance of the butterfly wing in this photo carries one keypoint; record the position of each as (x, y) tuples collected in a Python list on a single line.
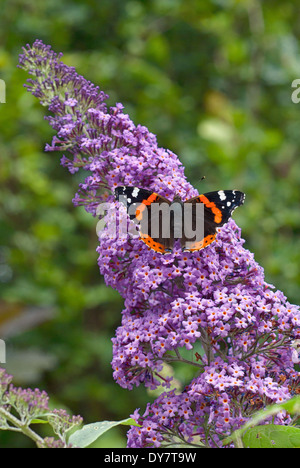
[(131, 197), (138, 202), (217, 210)]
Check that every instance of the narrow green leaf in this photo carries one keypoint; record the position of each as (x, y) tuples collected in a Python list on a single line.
[(91, 432)]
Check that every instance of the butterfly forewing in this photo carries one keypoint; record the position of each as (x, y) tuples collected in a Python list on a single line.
[(148, 209)]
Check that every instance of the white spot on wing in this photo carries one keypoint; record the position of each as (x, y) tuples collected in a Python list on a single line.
[(222, 195), (135, 192)]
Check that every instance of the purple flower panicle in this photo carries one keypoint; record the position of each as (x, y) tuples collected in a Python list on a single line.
[(211, 310), (19, 407), (28, 403)]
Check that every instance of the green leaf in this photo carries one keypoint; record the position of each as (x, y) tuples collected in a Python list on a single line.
[(292, 406), (272, 436), (216, 130), (91, 432)]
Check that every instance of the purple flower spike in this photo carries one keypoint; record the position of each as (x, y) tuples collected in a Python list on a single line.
[(211, 310)]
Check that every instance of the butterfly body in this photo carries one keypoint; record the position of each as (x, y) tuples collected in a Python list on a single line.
[(194, 222)]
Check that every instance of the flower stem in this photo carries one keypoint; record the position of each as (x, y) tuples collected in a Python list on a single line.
[(22, 427)]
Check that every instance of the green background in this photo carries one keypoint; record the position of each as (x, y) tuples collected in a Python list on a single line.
[(213, 80)]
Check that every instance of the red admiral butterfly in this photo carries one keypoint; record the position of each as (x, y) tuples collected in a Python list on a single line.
[(209, 211)]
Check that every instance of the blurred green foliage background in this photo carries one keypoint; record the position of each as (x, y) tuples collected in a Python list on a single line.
[(213, 80)]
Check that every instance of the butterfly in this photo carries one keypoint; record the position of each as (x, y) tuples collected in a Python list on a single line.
[(194, 222)]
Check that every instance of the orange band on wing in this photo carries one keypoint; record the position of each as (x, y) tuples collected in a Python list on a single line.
[(212, 206), (139, 211), (151, 199), (152, 244), (144, 204), (203, 243)]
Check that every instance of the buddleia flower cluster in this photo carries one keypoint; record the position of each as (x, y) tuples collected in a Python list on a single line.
[(209, 310), (21, 409)]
